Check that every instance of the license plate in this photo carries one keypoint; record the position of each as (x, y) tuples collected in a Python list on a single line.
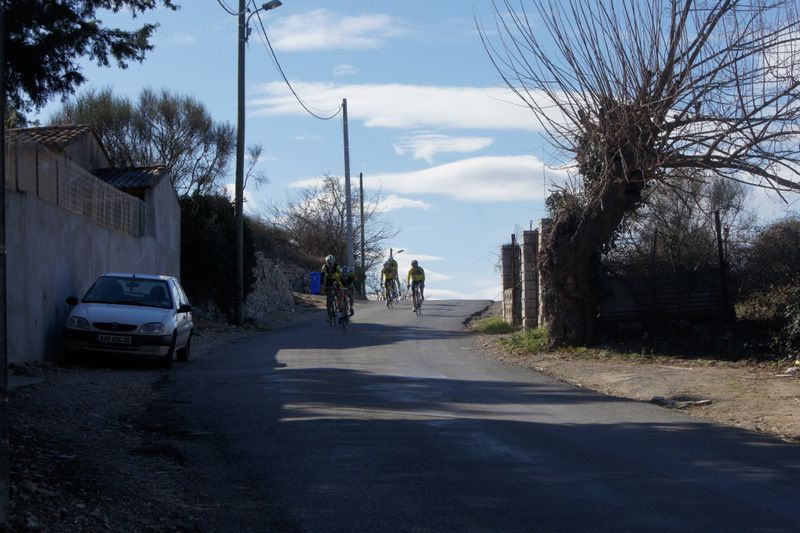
[(114, 339)]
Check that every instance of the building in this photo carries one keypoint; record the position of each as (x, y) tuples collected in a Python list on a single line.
[(71, 216)]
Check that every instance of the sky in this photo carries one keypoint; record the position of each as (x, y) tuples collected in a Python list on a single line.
[(459, 163)]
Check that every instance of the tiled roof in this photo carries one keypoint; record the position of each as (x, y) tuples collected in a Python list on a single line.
[(51, 135), (132, 177)]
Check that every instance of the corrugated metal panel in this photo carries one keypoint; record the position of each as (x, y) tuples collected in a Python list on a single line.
[(668, 296), (132, 177)]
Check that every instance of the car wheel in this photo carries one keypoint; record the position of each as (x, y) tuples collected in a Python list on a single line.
[(166, 361), (184, 353)]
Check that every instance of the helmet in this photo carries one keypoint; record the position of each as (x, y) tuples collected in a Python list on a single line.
[(330, 260), (387, 264), (414, 263), (347, 269)]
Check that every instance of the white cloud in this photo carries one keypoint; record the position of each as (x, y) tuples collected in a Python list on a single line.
[(183, 38), (323, 29), (307, 137), (394, 202), (402, 106), (426, 145), (344, 70), (478, 179), (443, 294)]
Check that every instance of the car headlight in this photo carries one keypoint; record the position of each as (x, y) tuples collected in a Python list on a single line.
[(77, 322), (152, 327)]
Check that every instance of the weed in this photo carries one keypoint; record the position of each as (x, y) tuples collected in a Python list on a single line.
[(494, 325), (527, 340)]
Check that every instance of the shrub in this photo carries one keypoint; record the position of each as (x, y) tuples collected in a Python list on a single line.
[(787, 340), (494, 325), (527, 340)]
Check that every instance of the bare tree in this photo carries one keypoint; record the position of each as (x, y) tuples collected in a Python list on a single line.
[(633, 89), (317, 222), (159, 128), (675, 231)]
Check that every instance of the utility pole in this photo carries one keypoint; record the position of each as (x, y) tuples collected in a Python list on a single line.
[(5, 482), (349, 260), (239, 201), (363, 245)]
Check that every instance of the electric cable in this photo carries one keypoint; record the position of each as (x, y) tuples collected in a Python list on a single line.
[(277, 64), (228, 9)]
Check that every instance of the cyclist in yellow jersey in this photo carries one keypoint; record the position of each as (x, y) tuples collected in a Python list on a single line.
[(348, 280), (388, 279), (416, 276), (331, 274), (393, 266)]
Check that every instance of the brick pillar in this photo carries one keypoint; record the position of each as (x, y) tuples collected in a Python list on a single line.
[(511, 282), (544, 230), (530, 279)]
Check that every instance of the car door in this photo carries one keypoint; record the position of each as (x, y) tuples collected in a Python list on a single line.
[(183, 320)]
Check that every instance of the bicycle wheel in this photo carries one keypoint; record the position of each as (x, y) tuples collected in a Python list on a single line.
[(344, 316), (417, 301), (330, 308), (389, 299)]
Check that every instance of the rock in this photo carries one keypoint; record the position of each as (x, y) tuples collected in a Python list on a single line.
[(271, 293)]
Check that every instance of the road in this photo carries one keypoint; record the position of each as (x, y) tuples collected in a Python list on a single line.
[(402, 425)]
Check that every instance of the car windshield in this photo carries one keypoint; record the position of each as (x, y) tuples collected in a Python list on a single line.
[(129, 291)]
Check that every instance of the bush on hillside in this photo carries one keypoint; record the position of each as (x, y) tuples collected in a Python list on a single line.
[(208, 251)]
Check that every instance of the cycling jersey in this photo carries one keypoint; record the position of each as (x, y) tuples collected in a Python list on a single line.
[(417, 275), (331, 275), (348, 280)]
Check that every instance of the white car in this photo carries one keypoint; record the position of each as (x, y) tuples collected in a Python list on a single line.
[(131, 314)]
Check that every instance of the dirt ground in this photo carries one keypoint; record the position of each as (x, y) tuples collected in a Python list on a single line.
[(763, 397)]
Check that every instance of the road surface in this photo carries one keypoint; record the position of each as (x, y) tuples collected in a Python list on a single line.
[(401, 425)]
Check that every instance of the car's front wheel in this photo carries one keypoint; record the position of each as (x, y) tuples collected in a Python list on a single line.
[(166, 360), (184, 353)]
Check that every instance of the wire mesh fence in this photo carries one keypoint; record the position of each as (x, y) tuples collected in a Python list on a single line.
[(33, 169)]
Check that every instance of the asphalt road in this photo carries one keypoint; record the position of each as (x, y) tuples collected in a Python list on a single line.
[(400, 425)]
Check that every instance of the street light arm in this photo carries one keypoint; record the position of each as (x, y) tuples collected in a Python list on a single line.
[(264, 7)]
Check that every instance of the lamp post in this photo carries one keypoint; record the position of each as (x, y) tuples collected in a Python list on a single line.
[(239, 194)]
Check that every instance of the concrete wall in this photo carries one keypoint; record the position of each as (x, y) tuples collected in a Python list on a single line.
[(54, 253), (85, 151), (164, 223)]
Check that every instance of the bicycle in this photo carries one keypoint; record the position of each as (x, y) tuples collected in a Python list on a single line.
[(416, 299), (330, 305), (390, 291), (344, 309)]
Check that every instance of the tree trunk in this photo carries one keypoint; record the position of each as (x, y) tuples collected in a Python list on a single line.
[(569, 266)]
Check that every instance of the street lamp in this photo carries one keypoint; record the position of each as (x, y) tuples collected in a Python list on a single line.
[(239, 194)]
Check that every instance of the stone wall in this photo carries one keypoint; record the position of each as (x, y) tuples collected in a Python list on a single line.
[(530, 279), (510, 272), (271, 294)]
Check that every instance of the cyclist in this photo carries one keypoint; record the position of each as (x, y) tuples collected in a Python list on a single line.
[(388, 280), (331, 275), (393, 266), (416, 279), (348, 280)]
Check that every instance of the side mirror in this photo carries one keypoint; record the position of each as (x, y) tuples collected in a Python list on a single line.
[(185, 308), (71, 300)]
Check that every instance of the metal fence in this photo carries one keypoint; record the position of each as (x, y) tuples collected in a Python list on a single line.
[(32, 168)]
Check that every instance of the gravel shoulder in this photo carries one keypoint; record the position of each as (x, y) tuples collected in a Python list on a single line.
[(104, 448), (762, 397)]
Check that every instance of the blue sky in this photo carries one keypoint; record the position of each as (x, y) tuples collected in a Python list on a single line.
[(456, 158)]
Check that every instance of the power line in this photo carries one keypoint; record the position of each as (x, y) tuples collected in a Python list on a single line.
[(277, 64), (227, 8)]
